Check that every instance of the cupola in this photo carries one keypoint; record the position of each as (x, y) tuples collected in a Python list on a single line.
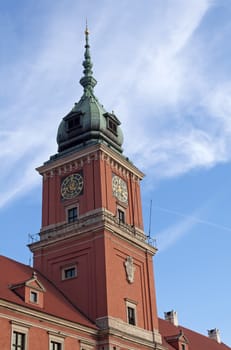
[(88, 122)]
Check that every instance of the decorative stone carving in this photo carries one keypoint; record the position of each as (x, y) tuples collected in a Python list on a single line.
[(130, 269)]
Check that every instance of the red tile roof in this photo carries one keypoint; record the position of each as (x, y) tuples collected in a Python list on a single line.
[(55, 303), (196, 341)]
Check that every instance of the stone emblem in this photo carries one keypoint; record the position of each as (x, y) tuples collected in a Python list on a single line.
[(130, 269)]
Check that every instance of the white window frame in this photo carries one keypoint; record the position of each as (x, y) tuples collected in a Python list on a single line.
[(76, 206), (56, 339), (131, 304), (33, 292), (64, 269), (119, 209), (85, 346), (19, 329)]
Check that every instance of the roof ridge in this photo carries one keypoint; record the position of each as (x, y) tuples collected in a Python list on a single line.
[(187, 331)]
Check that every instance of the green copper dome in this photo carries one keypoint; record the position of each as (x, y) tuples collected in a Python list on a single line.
[(88, 122)]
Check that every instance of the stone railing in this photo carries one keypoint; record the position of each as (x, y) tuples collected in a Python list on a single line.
[(100, 216)]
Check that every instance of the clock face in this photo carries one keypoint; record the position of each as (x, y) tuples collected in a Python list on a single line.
[(72, 186), (119, 188)]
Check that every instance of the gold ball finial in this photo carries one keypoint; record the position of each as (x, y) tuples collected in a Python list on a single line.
[(87, 30)]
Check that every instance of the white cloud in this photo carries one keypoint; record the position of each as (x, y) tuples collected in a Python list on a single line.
[(172, 234), (177, 153), (147, 74), (218, 103)]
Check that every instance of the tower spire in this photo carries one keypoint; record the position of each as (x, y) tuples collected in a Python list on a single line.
[(87, 81), (88, 122)]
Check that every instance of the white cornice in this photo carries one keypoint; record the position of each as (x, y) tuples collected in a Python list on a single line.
[(121, 329), (96, 221), (77, 159), (42, 316)]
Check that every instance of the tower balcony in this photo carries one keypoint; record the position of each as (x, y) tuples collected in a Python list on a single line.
[(92, 222)]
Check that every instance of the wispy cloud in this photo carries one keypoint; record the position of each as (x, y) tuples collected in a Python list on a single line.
[(152, 75), (184, 226), (169, 236)]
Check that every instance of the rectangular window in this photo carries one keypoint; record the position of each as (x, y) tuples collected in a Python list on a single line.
[(69, 272), (131, 316), (112, 126), (18, 341), (183, 347), (56, 342), (74, 123), (34, 297), (55, 345), (72, 214), (121, 216)]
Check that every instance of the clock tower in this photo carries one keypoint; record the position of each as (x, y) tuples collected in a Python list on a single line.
[(92, 245)]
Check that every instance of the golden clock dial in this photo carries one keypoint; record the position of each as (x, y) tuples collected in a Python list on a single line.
[(119, 188), (72, 186)]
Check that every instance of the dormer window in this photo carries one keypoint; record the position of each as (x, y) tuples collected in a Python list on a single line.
[(31, 291), (73, 121), (34, 297), (178, 341), (112, 126)]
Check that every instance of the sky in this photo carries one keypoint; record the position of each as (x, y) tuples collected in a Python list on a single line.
[(163, 67)]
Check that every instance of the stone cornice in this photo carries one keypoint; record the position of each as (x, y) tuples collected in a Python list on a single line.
[(116, 327), (42, 316), (100, 219), (76, 160)]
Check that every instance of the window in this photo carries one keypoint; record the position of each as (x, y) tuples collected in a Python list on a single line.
[(56, 342), (74, 122), (69, 272), (131, 311), (54, 345), (183, 347), (19, 335), (72, 214), (112, 126), (34, 297), (121, 216), (131, 316), (19, 341)]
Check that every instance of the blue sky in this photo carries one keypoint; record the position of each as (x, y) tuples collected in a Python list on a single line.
[(164, 67)]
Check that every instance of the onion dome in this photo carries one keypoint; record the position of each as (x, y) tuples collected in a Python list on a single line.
[(88, 122)]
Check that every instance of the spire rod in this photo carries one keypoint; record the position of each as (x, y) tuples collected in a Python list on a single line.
[(87, 81)]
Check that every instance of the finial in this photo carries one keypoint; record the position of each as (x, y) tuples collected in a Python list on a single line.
[(88, 81), (86, 30)]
